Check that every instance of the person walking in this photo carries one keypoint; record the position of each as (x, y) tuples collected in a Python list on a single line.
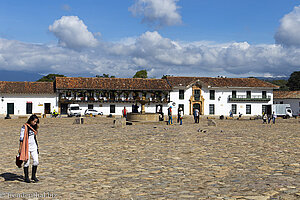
[(230, 114), (124, 112), (180, 115), (196, 115), (29, 146), (170, 122), (265, 118), (273, 117)]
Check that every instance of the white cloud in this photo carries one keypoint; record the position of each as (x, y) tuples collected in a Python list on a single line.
[(155, 53), (289, 29), (72, 33), (157, 12)]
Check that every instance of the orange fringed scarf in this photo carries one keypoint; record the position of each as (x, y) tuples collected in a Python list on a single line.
[(24, 149)]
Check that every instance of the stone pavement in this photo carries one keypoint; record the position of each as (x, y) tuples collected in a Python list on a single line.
[(237, 159)]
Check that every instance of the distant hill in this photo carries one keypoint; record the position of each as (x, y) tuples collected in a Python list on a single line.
[(273, 78), (18, 76)]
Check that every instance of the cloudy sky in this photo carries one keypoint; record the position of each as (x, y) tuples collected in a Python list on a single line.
[(232, 38)]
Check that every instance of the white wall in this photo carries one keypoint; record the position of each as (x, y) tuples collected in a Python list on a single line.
[(20, 100), (174, 97), (105, 107), (223, 106), (294, 103)]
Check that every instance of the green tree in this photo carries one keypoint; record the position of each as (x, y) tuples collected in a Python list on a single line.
[(141, 74), (294, 81), (281, 83), (49, 78)]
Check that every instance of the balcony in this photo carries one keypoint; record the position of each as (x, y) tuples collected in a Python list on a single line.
[(106, 100), (247, 98)]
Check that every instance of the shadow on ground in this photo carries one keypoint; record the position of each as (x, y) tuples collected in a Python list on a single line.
[(11, 177)]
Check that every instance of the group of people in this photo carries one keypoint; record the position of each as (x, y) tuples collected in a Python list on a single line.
[(179, 116), (269, 118)]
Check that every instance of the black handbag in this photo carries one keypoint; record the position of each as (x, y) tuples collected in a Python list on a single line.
[(18, 161)]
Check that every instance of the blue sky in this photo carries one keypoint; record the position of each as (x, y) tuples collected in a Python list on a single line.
[(235, 38)]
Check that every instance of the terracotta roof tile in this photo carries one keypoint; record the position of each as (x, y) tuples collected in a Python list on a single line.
[(286, 94), (111, 83), (221, 82), (26, 87)]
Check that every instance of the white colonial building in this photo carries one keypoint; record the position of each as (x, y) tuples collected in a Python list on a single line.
[(288, 97), (111, 95), (24, 98), (219, 96), (211, 96)]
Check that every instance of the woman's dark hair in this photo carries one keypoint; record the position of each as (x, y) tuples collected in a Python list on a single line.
[(32, 118)]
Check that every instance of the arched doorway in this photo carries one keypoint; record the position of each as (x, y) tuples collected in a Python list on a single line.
[(196, 106)]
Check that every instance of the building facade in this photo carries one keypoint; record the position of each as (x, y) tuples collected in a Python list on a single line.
[(211, 96), (111, 95), (220, 96), (22, 98)]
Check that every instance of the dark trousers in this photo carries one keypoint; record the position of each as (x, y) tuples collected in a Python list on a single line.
[(196, 119)]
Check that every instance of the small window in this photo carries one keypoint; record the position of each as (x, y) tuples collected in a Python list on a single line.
[(233, 94), (248, 94), (181, 94), (91, 106), (112, 108), (197, 95), (68, 94), (211, 94), (248, 109), (264, 94), (211, 109), (233, 108)]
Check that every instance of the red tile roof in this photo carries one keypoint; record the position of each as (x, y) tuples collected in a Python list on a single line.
[(220, 82), (112, 83), (26, 87), (286, 94)]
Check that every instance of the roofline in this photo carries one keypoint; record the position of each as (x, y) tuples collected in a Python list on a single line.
[(112, 89)]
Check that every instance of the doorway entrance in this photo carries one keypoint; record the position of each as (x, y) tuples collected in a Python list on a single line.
[(10, 108), (196, 106), (28, 108), (64, 108), (267, 109), (47, 108)]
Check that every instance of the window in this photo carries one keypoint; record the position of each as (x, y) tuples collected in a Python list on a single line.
[(112, 108), (211, 94), (68, 94), (28, 108), (264, 94), (181, 94), (233, 94), (181, 106), (281, 102), (248, 94), (248, 109), (197, 95), (90, 106), (233, 108), (211, 109)]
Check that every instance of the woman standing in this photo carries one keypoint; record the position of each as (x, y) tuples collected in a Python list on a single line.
[(29, 145)]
